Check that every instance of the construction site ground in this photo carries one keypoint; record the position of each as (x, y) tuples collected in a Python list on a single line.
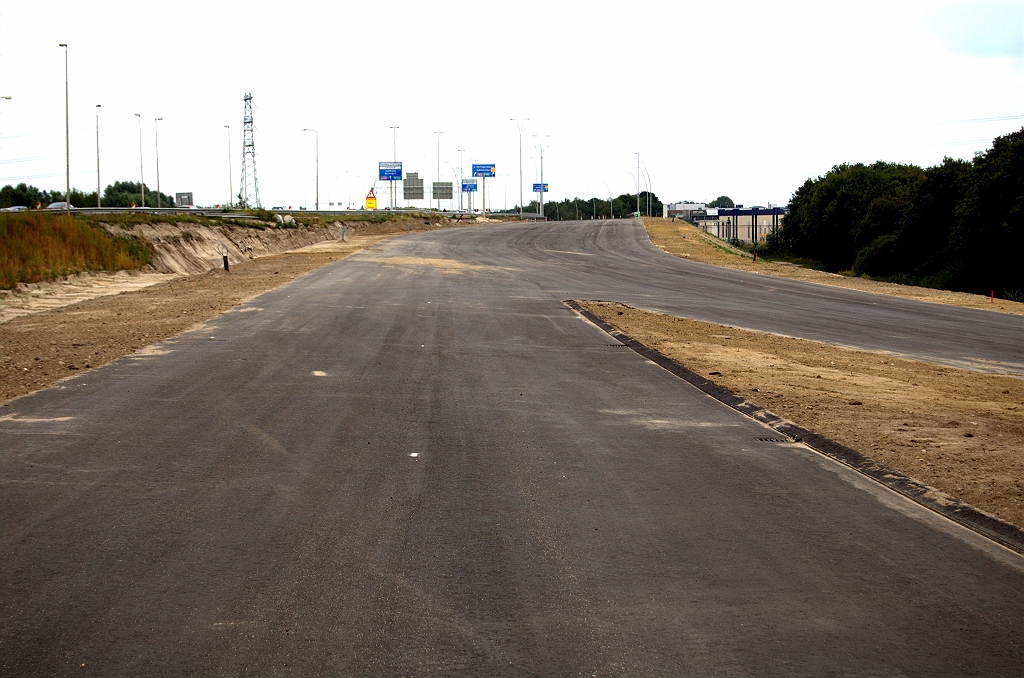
[(959, 431)]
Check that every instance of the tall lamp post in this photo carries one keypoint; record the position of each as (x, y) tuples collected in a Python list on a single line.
[(156, 137), (98, 203), (611, 204), (638, 181), (231, 188), (5, 98), (142, 178), (650, 188), (394, 158), (520, 126), (540, 146), (461, 175), (316, 136), (67, 132), (438, 165)]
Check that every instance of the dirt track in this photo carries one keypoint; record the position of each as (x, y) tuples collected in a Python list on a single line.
[(959, 431)]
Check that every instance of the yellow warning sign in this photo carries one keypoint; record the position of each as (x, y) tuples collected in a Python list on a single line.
[(371, 200)]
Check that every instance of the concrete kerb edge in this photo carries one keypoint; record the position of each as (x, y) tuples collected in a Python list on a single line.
[(1007, 534)]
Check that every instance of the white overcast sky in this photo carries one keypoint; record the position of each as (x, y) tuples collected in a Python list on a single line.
[(746, 99)]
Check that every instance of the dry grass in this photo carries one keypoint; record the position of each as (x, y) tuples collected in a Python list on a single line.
[(36, 246)]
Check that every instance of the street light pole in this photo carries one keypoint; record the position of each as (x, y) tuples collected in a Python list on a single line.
[(142, 176), (156, 137), (231, 188), (438, 165), (520, 126), (67, 132), (650, 188), (611, 205), (638, 181), (316, 136), (461, 175), (540, 146), (98, 203), (394, 158)]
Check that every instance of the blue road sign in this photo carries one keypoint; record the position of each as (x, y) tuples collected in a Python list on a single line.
[(483, 169), (540, 188), (468, 185), (390, 171)]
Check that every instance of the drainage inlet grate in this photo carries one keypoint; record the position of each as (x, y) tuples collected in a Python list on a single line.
[(774, 440)]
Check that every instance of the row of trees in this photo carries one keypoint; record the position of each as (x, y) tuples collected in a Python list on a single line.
[(958, 225), (117, 194), (588, 208)]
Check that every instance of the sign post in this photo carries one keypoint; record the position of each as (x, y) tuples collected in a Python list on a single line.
[(483, 170), (469, 188), (390, 171), (540, 190)]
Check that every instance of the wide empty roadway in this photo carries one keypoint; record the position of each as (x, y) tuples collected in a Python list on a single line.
[(418, 460)]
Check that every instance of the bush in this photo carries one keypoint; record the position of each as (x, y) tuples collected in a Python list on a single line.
[(880, 258), (958, 225)]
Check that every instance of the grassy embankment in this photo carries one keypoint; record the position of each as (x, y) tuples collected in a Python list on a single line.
[(37, 246)]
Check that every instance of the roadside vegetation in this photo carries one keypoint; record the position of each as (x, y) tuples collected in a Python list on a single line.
[(956, 226), (117, 194), (37, 246), (570, 209)]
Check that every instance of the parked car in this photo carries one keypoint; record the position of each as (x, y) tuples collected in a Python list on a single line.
[(58, 206)]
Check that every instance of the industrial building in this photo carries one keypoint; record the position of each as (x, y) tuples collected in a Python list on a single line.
[(748, 225), (683, 210)]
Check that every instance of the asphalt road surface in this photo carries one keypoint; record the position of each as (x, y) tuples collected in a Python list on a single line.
[(418, 461)]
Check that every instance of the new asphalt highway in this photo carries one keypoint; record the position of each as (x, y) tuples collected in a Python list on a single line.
[(417, 460)]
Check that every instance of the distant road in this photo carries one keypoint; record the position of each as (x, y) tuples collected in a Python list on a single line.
[(418, 461), (619, 262)]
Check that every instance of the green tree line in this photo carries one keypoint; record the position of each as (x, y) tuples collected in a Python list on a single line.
[(958, 225), (117, 194), (569, 209)]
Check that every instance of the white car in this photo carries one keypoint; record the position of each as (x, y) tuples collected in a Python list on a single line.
[(58, 206), (15, 208)]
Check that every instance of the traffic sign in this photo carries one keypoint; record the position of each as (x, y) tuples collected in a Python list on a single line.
[(469, 185), (390, 171), (483, 169), (371, 200), (540, 188)]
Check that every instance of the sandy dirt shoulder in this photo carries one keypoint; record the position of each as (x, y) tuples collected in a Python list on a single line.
[(961, 432), (37, 351), (683, 240), (186, 248)]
